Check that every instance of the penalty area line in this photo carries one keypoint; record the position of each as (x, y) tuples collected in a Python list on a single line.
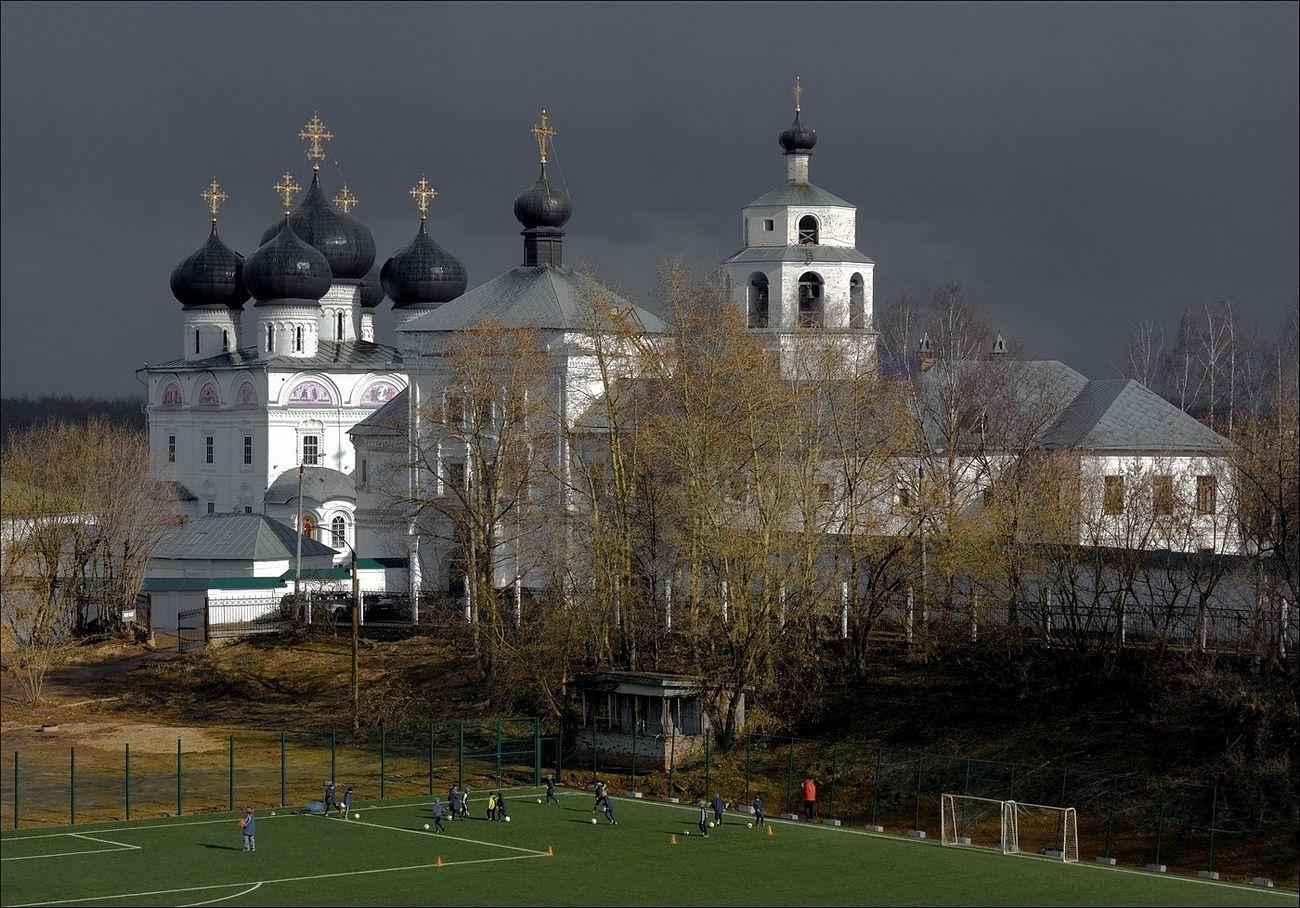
[(289, 879)]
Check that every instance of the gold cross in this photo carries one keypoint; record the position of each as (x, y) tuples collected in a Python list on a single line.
[(543, 132), (422, 192), (315, 133), (345, 199), (214, 197), (798, 93), (287, 188)]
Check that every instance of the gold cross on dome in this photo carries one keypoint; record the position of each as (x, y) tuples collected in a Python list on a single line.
[(287, 189), (422, 192), (214, 196), (345, 199), (798, 93), (543, 132), (314, 133)]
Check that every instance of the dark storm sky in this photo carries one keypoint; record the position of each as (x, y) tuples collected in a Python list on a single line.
[(1076, 166)]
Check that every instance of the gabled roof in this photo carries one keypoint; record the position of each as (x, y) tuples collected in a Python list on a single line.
[(335, 355), (389, 420), (318, 483), (237, 537), (799, 254), (542, 296), (1122, 415), (793, 193)]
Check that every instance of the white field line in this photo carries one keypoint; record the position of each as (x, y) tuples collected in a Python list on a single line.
[(251, 888), (1290, 894), (289, 879), (532, 852), (118, 846)]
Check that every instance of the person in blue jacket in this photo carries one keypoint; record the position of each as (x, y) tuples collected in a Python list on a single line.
[(437, 816), (248, 825)]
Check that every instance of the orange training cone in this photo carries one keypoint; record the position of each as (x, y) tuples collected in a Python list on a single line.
[(439, 863), (549, 852), (769, 830), (674, 840)]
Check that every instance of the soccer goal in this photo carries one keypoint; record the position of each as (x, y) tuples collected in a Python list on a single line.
[(1010, 826)]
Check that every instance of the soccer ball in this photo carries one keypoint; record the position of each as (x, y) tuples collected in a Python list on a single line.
[(749, 825), (686, 832), (356, 816), (426, 825), (710, 824), (539, 800), (273, 813), (507, 819), (593, 821)]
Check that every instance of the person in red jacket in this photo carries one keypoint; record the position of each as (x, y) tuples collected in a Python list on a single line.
[(809, 798)]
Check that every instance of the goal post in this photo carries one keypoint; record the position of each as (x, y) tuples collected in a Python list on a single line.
[(1010, 826)]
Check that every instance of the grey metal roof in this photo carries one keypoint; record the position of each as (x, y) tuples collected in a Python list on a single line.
[(388, 420), (542, 296), (338, 356), (254, 537), (793, 193), (799, 254), (1122, 415), (318, 484)]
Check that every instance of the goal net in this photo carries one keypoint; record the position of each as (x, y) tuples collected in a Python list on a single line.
[(1010, 827)]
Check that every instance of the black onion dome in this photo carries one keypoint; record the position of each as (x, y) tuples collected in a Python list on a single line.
[(212, 276), (371, 292), (798, 139), (542, 205), (285, 267), (345, 242), (422, 274)]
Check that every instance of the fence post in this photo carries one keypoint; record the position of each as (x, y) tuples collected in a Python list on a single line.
[(127, 778), (334, 747), (835, 771), (707, 761), (1214, 810), (16, 789), (383, 757), (595, 764), (179, 799), (919, 758), (282, 789), (966, 785), (559, 751), (432, 744), (1160, 821), (460, 758), (634, 757), (789, 781), (498, 752), (875, 787), (232, 772), (1110, 815), (72, 786), (1011, 793), (537, 750), (749, 759), (672, 760)]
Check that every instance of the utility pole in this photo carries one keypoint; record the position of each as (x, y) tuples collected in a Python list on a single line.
[(356, 618)]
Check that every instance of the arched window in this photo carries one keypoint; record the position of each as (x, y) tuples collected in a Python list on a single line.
[(196, 340), (857, 303), (297, 339), (807, 230), (225, 341), (338, 326), (338, 532), (270, 338), (810, 301), (758, 301), (309, 526)]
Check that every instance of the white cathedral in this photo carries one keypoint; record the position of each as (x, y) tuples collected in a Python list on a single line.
[(300, 411)]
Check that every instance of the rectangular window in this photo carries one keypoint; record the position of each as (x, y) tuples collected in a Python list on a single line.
[(1162, 496), (455, 476), (824, 493), (904, 496), (248, 449), (1113, 500), (455, 411), (212, 507), (248, 509), (311, 450), (769, 224), (171, 448), (209, 449), (365, 468), (1207, 494), (484, 412)]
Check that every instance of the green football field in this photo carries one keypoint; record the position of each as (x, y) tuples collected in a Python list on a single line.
[(551, 855)]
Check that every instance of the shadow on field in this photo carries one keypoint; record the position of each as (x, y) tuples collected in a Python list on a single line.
[(221, 847)]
